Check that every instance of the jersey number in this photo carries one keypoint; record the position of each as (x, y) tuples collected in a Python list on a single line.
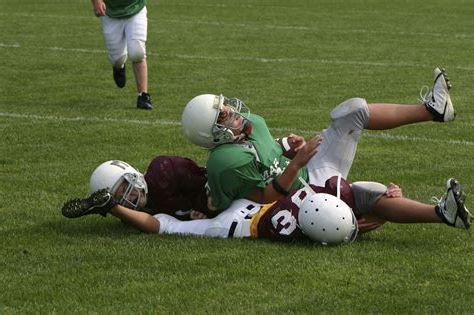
[(284, 222)]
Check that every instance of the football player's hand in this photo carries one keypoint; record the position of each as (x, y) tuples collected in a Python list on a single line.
[(307, 151), (296, 142), (197, 215), (393, 191), (99, 7), (210, 204), (368, 224)]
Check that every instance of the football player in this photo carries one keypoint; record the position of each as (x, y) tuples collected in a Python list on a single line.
[(172, 185), (322, 214), (245, 162), (124, 26)]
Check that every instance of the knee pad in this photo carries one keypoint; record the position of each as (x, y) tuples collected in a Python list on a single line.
[(136, 50), (366, 194), (349, 107), (354, 111)]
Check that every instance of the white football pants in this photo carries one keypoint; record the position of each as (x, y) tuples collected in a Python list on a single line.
[(125, 37), (337, 151)]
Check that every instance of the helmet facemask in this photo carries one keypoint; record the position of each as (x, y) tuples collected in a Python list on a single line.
[(225, 132), (131, 190)]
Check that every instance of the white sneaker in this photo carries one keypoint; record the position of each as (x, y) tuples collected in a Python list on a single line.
[(437, 100), (451, 209)]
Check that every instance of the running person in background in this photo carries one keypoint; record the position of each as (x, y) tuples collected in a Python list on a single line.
[(124, 26), (245, 162)]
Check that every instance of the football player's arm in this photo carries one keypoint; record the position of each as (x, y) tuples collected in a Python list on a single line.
[(367, 224), (280, 186), (99, 7), (141, 220)]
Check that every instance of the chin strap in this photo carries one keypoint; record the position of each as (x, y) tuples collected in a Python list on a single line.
[(338, 194)]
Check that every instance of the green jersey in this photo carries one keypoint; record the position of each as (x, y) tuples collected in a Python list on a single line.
[(120, 9), (236, 170)]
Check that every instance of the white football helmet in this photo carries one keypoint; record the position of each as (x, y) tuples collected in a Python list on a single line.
[(327, 219), (199, 120), (115, 174)]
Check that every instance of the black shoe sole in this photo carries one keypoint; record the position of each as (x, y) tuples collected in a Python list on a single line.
[(95, 204), (460, 197)]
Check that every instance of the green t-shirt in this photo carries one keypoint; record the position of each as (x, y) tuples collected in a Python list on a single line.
[(120, 9), (235, 170)]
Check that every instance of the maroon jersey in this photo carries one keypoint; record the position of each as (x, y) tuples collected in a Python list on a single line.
[(176, 185), (279, 222)]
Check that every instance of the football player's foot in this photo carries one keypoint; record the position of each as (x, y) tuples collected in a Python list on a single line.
[(99, 202), (451, 209), (144, 101), (437, 100), (119, 76)]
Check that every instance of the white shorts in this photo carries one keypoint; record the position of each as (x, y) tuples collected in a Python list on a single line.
[(125, 37), (339, 145)]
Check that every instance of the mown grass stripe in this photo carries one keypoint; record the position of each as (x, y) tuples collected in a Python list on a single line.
[(161, 122)]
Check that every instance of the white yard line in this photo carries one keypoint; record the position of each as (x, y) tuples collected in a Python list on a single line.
[(248, 58), (257, 26), (161, 122)]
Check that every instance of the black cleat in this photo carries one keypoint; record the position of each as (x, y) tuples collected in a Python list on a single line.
[(119, 76), (99, 202), (144, 101)]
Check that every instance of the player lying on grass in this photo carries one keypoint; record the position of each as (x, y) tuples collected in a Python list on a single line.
[(336, 156), (175, 185), (244, 162), (311, 212)]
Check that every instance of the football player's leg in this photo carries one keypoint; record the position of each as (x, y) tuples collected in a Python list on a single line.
[(370, 198), (136, 34), (115, 42), (436, 105), (339, 144), (404, 210), (387, 116)]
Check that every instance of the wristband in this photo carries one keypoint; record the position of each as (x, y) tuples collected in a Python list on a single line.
[(278, 188)]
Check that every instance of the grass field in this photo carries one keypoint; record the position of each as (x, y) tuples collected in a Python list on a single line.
[(291, 61)]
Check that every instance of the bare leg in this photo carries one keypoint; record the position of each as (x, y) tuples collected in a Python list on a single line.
[(387, 116), (140, 69), (403, 210), (141, 220)]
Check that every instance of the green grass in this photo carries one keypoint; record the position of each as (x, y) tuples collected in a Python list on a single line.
[(291, 61)]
